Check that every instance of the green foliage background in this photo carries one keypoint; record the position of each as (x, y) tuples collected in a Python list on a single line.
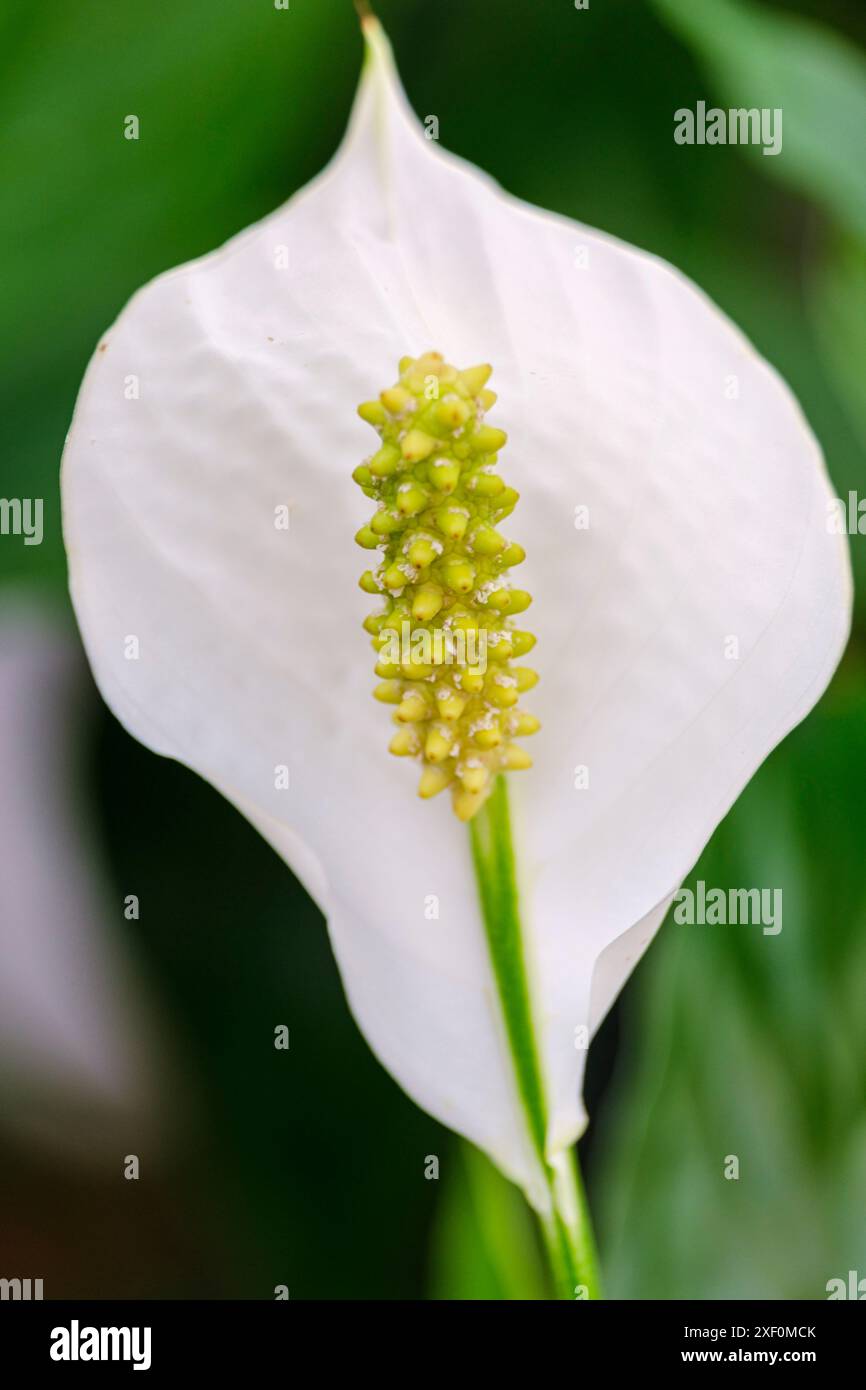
[(306, 1168)]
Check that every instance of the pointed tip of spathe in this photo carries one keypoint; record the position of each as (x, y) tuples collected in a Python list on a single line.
[(379, 74), (375, 38), (365, 15)]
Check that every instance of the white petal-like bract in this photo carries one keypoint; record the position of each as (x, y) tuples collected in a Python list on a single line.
[(690, 604)]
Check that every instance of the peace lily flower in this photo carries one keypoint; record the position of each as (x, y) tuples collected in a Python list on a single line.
[(690, 605)]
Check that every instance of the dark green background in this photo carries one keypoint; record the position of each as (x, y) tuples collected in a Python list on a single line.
[(306, 1168)]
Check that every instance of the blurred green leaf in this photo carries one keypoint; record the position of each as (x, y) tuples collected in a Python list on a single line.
[(485, 1240), (760, 58), (838, 304), (233, 118)]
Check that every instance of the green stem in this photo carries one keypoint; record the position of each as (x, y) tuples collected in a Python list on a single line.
[(568, 1235)]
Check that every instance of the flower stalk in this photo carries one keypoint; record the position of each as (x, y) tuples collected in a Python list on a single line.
[(568, 1235)]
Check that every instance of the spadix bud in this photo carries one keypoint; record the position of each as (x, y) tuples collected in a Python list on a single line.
[(444, 474), (396, 399), (385, 461), (453, 412), (427, 602), (373, 412), (417, 445), (475, 378)]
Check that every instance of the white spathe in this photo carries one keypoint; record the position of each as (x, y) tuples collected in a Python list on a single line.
[(696, 620)]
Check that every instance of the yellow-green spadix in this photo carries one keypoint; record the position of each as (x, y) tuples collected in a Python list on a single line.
[(448, 595), (211, 521)]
